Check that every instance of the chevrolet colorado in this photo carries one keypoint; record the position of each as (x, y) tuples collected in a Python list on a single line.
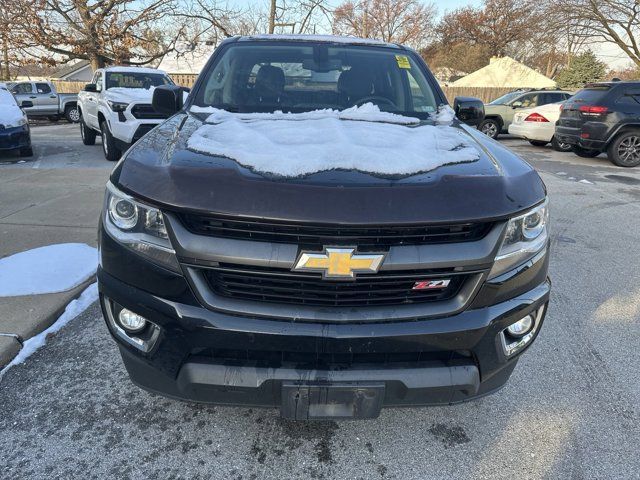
[(313, 230)]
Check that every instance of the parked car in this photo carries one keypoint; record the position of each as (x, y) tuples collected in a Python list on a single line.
[(538, 125), (117, 106), (604, 117), (285, 240), (14, 126), (499, 113), (47, 102)]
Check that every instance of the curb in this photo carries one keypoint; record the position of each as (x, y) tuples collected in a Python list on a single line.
[(27, 323)]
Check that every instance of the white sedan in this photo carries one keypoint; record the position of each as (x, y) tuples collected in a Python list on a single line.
[(538, 125)]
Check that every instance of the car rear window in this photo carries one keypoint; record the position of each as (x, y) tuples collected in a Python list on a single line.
[(592, 94)]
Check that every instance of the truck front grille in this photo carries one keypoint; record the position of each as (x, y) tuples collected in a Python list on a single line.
[(283, 286), (146, 111), (309, 235), (325, 360)]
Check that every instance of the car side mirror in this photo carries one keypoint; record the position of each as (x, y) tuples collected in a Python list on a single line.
[(469, 110), (26, 104), (516, 105), (168, 99), (90, 87)]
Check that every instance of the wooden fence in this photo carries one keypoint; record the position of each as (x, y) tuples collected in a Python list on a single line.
[(187, 80)]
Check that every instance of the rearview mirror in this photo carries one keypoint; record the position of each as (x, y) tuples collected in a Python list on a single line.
[(168, 99), (516, 104), (26, 104), (469, 110), (90, 87)]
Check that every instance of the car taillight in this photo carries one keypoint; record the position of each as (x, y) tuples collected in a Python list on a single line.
[(593, 110), (535, 117)]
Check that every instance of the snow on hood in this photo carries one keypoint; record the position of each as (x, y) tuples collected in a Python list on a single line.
[(360, 138), (130, 95), (10, 112)]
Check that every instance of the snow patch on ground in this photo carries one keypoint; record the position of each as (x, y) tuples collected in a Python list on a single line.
[(75, 308), (585, 181), (50, 269), (360, 138)]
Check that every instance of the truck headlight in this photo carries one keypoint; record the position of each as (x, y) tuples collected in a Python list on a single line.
[(117, 106), (526, 235), (139, 227)]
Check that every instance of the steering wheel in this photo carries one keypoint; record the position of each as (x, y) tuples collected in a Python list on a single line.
[(376, 99)]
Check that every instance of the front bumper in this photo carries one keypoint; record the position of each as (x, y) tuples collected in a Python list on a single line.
[(215, 357), (15, 137)]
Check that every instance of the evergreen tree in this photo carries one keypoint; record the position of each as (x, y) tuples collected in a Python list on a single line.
[(584, 68)]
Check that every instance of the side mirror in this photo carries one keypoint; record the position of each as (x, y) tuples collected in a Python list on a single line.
[(26, 104), (168, 99), (90, 87), (516, 105), (469, 110)]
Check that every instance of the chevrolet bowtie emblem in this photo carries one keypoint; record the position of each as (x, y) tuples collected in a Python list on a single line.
[(339, 263)]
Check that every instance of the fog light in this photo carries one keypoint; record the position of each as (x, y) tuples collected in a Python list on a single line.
[(521, 327), (131, 322)]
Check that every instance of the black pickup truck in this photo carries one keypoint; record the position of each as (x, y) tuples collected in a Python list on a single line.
[(312, 229)]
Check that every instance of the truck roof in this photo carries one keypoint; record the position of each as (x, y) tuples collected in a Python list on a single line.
[(347, 40), (133, 70)]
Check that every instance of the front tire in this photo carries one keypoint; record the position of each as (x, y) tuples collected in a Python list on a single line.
[(585, 152), (538, 143), (559, 146), (109, 148), (624, 151), (88, 134), (72, 114), (490, 127)]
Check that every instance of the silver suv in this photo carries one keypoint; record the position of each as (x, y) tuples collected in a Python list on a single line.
[(500, 112)]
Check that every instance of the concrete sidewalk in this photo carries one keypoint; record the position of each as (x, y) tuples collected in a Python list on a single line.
[(55, 197)]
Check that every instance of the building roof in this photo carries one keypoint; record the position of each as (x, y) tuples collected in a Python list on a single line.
[(505, 72), (68, 69)]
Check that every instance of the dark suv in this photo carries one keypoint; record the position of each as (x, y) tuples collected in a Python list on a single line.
[(351, 245), (604, 117)]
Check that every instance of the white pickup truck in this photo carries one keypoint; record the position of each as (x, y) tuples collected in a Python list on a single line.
[(117, 106), (47, 102)]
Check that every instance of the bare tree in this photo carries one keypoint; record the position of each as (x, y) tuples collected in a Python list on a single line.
[(612, 21), (101, 31), (397, 21)]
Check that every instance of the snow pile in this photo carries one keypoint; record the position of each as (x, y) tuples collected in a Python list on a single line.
[(360, 138), (75, 308), (50, 269), (10, 112)]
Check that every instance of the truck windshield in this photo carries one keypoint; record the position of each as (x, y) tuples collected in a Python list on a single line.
[(299, 77), (136, 80)]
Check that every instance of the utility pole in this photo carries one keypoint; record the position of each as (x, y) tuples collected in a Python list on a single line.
[(272, 17)]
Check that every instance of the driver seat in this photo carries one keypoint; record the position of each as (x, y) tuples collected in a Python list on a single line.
[(353, 85)]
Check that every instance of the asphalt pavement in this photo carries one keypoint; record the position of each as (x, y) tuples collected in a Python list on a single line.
[(570, 411)]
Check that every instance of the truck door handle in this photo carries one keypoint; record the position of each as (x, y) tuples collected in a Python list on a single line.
[(33, 96), (52, 96)]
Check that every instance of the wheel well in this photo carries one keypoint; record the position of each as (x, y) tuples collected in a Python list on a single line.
[(101, 118), (71, 104), (497, 118), (622, 130)]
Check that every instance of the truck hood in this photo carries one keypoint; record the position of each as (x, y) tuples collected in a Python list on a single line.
[(129, 95), (160, 169)]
